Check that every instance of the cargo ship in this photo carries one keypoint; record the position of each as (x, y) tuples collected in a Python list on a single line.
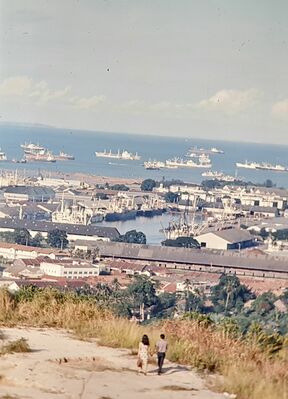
[(195, 151), (262, 166), (46, 157), (203, 162), (124, 155), (154, 165), (62, 156), (33, 149)]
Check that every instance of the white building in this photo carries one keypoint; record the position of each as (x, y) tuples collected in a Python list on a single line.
[(15, 251), (72, 270), (226, 239)]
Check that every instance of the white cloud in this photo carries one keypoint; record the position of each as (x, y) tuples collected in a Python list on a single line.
[(280, 109), (25, 88), (21, 88), (87, 102), (231, 101), (16, 86)]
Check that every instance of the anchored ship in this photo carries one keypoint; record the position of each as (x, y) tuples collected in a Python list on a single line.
[(46, 157), (247, 165), (3, 156), (30, 148), (219, 176), (64, 157), (154, 165), (124, 155), (204, 162), (195, 151), (262, 165)]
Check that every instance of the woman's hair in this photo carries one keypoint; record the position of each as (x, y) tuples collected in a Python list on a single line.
[(145, 340)]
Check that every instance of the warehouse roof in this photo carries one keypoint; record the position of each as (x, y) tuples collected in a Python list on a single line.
[(44, 226), (31, 191), (229, 235), (188, 256)]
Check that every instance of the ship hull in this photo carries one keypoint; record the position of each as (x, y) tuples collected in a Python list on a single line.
[(119, 216)]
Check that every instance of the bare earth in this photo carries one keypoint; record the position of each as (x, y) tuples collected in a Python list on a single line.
[(63, 367)]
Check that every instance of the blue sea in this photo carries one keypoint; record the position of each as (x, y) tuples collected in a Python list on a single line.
[(83, 144)]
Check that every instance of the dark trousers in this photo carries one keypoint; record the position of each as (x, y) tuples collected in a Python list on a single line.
[(161, 357)]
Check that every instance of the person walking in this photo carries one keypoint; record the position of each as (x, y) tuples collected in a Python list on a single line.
[(161, 348), (143, 354)]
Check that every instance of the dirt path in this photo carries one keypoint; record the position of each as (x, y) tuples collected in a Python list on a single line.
[(63, 367)]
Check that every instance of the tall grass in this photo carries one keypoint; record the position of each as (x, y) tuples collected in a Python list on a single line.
[(246, 369)]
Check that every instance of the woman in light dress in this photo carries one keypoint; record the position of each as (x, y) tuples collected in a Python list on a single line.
[(143, 354)]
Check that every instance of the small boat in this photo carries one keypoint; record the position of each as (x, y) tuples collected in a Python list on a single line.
[(3, 156)]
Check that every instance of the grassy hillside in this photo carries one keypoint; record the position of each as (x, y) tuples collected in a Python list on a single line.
[(254, 367)]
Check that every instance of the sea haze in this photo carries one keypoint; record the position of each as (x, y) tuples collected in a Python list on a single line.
[(83, 144)]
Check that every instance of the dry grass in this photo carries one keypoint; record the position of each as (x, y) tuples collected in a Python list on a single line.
[(19, 346), (177, 388), (245, 370)]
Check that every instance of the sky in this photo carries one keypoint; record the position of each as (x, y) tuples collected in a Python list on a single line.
[(215, 69)]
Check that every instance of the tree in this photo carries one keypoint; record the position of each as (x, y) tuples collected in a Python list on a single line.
[(183, 242), (171, 197), (57, 238), (22, 236), (37, 241), (142, 291), (229, 294), (119, 187), (133, 237), (264, 303), (148, 185), (165, 306)]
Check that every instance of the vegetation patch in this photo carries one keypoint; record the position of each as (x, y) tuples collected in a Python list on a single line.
[(19, 346), (177, 388), (253, 365)]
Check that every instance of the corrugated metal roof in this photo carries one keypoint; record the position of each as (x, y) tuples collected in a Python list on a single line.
[(44, 226), (190, 256)]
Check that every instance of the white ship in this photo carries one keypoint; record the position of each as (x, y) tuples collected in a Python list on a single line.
[(247, 165), (154, 165), (216, 150), (268, 166), (46, 157), (124, 155), (30, 148), (3, 156), (203, 162), (195, 151), (64, 157), (262, 166), (218, 176)]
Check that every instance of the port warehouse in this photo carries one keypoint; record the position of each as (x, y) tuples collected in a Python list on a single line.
[(192, 259), (74, 231)]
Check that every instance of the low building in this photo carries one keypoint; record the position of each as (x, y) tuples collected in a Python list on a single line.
[(28, 193), (74, 231), (72, 270), (16, 251), (226, 239)]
